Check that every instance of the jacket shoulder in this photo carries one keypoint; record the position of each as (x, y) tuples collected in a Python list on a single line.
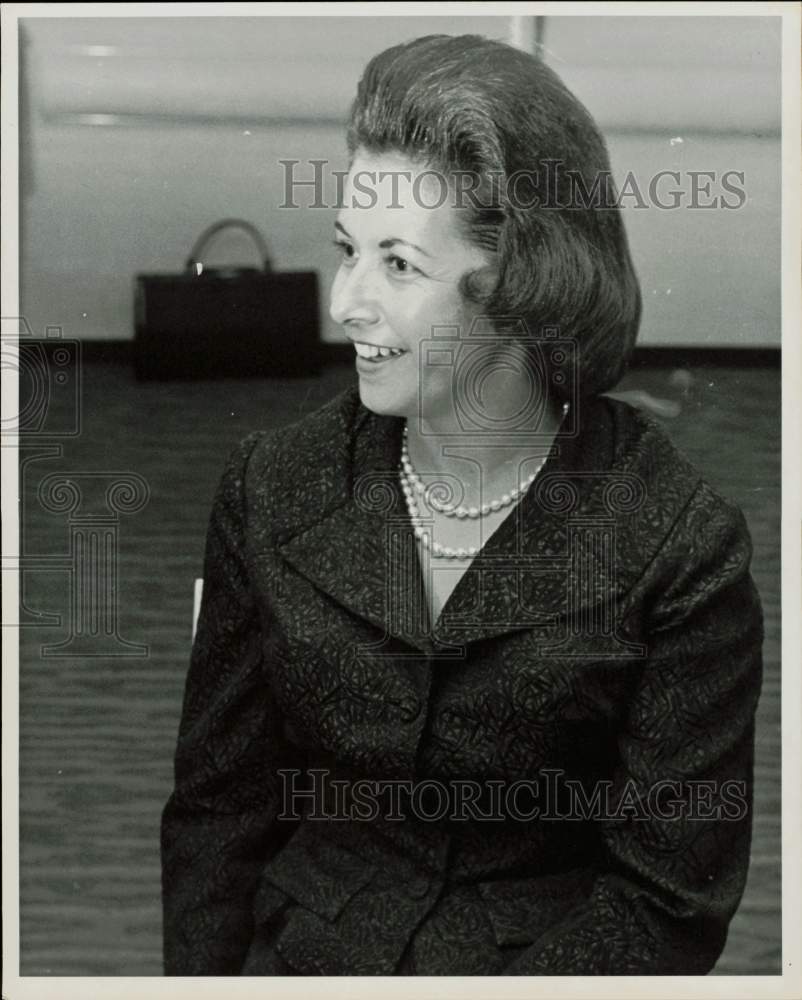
[(679, 511), (644, 448), (690, 535), (280, 476), (278, 452), (670, 479)]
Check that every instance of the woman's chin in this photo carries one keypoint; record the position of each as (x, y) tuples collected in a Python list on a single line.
[(382, 402)]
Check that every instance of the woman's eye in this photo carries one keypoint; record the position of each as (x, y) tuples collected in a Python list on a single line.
[(346, 250), (399, 265)]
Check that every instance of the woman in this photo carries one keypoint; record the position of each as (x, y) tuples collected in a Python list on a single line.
[(474, 682)]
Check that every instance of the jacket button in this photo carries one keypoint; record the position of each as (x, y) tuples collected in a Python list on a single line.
[(411, 711), (417, 887)]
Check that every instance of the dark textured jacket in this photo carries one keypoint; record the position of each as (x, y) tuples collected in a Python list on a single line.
[(561, 768)]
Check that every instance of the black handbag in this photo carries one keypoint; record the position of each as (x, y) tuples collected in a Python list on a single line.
[(226, 322)]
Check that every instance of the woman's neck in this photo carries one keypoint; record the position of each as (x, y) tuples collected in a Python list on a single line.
[(477, 460)]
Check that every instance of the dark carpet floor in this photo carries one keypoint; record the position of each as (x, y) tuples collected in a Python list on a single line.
[(97, 732)]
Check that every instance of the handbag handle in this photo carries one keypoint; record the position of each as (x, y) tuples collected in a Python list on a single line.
[(213, 230)]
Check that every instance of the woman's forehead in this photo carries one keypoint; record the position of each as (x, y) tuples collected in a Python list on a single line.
[(389, 191)]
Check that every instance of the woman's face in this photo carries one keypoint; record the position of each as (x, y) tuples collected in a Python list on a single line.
[(399, 276)]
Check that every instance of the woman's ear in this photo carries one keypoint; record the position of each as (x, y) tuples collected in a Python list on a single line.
[(479, 285)]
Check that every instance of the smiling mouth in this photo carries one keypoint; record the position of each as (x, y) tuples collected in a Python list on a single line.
[(377, 355)]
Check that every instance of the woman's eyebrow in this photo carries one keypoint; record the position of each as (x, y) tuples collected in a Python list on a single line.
[(388, 244), (385, 244)]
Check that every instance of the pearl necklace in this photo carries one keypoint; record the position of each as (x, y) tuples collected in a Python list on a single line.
[(438, 551), (411, 485)]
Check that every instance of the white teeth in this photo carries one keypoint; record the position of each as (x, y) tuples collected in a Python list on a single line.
[(370, 351)]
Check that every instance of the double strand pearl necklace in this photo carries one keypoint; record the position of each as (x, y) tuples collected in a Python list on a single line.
[(412, 486)]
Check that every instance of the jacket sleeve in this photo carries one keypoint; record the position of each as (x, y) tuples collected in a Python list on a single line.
[(674, 871), (217, 822)]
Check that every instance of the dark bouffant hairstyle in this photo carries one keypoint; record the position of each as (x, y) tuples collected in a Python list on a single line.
[(544, 206)]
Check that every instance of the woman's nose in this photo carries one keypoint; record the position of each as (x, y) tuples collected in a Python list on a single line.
[(354, 296)]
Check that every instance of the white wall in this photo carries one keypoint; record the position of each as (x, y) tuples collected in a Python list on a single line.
[(689, 94), (143, 131)]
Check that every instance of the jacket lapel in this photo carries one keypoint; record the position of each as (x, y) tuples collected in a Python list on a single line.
[(359, 548), (551, 567)]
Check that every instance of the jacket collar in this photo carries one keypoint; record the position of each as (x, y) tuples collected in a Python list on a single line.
[(563, 556)]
